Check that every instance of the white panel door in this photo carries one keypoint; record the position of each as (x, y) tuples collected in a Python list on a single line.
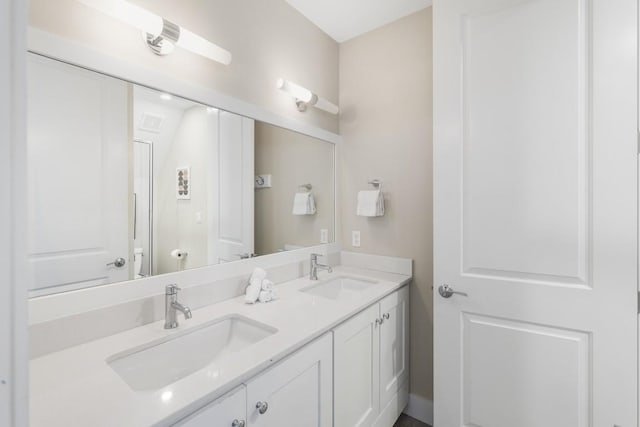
[(357, 370), (231, 235), (296, 392), (223, 412), (78, 146), (535, 172), (394, 344)]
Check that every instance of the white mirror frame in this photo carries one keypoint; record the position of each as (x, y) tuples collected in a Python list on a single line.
[(55, 305)]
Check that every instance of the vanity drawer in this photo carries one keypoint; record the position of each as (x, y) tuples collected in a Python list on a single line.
[(228, 411)]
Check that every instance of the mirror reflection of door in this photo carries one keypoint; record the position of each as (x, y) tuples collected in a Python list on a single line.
[(77, 176), (142, 208)]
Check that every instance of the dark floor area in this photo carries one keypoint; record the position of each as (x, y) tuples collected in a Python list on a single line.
[(407, 421)]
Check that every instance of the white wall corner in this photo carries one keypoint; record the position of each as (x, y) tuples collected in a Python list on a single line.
[(420, 408)]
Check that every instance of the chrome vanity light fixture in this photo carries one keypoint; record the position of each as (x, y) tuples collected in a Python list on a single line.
[(160, 34), (305, 97)]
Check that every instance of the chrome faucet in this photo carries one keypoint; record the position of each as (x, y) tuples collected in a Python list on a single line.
[(313, 271), (171, 306)]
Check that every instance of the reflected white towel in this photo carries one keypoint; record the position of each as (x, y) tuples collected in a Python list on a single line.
[(370, 203), (304, 204), (252, 293)]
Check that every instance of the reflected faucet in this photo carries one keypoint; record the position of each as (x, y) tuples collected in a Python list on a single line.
[(313, 271), (171, 306)]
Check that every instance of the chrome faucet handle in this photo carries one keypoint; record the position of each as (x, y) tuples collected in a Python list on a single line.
[(172, 289), (315, 256)]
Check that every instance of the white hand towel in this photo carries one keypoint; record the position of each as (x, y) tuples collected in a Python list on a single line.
[(267, 285), (370, 203), (304, 204), (265, 296), (257, 276), (252, 293)]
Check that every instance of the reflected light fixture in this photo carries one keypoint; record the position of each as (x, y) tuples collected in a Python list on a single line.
[(305, 97), (160, 34)]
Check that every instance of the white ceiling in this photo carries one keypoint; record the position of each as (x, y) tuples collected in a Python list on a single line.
[(345, 19)]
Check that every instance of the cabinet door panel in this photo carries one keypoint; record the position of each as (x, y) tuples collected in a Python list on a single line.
[(298, 391), (356, 374), (221, 413), (394, 345)]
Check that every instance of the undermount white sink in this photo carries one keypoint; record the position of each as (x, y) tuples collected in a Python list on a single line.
[(340, 287), (162, 362)]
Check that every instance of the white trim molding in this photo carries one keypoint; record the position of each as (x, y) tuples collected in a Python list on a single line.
[(420, 408), (13, 271)]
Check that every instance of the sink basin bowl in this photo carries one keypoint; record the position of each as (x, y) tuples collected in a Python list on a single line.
[(340, 287), (162, 362)]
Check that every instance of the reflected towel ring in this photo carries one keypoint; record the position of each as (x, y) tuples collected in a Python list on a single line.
[(376, 183)]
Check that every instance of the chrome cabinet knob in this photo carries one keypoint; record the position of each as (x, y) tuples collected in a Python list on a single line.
[(379, 322), (262, 407), (447, 291), (119, 262), (238, 423), (386, 316)]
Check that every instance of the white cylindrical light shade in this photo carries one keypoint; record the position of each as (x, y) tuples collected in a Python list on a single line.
[(128, 13), (201, 46), (327, 106), (297, 91)]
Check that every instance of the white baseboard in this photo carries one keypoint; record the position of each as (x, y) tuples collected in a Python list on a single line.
[(420, 408)]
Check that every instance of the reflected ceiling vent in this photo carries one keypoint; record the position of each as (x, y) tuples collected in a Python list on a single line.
[(151, 123)]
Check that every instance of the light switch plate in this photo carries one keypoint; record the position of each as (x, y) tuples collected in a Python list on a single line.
[(355, 239), (324, 235), (263, 181)]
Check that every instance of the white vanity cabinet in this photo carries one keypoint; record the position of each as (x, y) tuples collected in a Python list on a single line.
[(295, 392), (356, 376), (371, 364), (228, 411)]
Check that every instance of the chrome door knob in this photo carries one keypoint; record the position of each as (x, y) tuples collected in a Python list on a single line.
[(238, 423), (262, 407), (119, 262), (447, 291)]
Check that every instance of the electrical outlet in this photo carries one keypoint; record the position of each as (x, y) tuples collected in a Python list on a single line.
[(355, 239), (324, 235), (263, 181)]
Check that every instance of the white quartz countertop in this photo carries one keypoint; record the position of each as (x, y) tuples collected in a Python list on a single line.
[(76, 386)]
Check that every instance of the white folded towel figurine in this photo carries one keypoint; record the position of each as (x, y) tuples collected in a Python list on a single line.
[(370, 203), (267, 292), (265, 296), (304, 204), (267, 285), (252, 293)]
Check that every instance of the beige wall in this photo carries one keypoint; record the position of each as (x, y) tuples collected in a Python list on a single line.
[(268, 40), (386, 124), (292, 159)]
